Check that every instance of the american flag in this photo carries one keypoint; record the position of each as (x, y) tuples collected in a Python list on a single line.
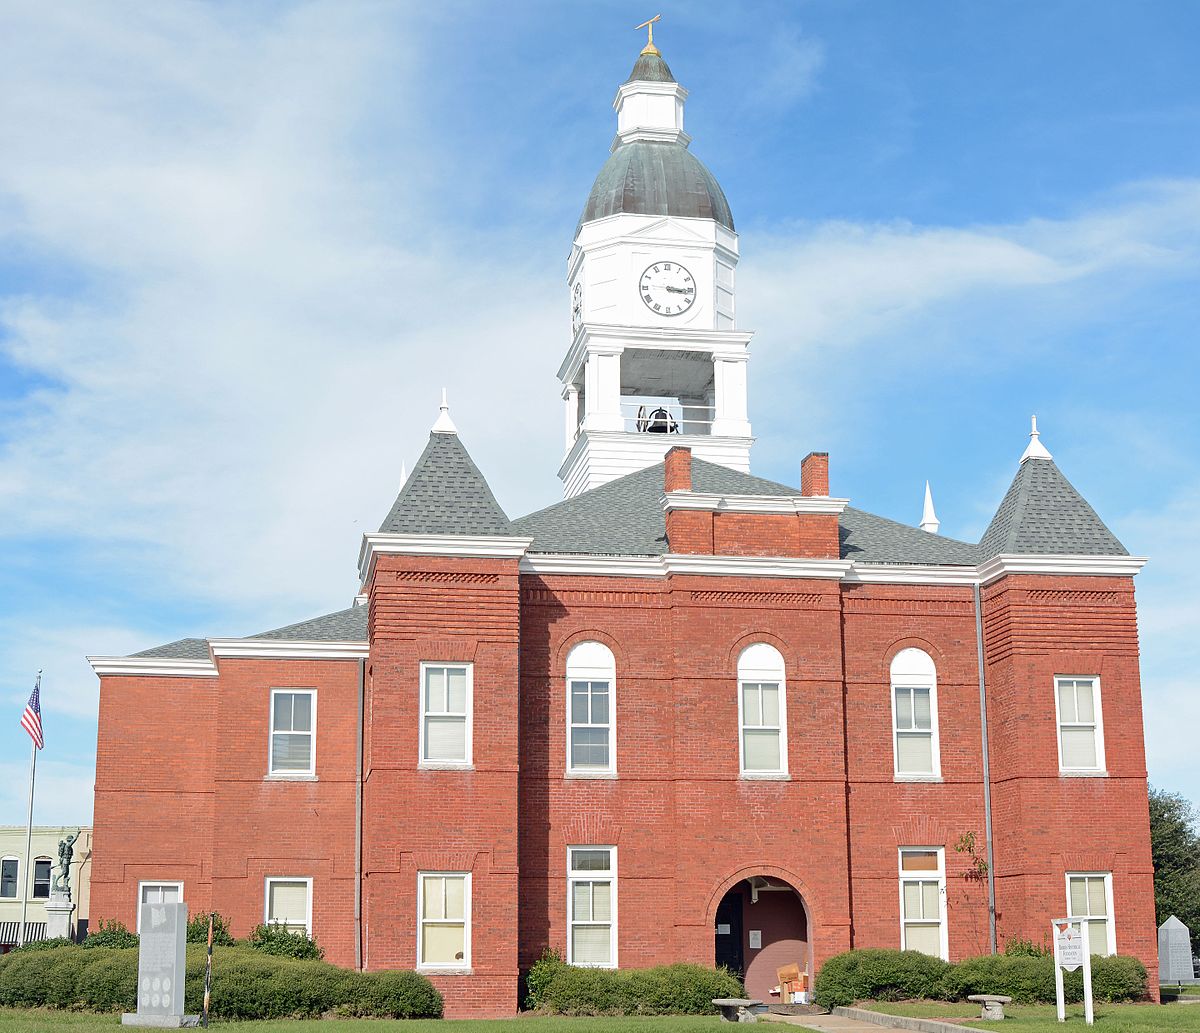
[(31, 720)]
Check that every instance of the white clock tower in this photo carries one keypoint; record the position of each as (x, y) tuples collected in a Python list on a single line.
[(654, 359)]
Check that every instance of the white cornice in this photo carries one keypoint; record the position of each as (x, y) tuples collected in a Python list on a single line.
[(910, 574), (650, 134), (601, 566), (383, 543), (709, 501), (683, 563), (1095, 566), (152, 667), (271, 648)]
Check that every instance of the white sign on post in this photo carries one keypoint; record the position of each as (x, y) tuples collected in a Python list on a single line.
[(1072, 950)]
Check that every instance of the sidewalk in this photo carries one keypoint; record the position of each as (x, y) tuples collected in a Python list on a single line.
[(824, 1023)]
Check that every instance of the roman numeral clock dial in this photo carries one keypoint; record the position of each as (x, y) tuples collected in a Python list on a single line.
[(667, 288)]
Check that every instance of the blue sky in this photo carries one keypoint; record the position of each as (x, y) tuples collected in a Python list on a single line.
[(243, 246)]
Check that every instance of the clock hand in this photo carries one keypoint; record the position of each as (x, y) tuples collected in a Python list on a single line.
[(675, 290)]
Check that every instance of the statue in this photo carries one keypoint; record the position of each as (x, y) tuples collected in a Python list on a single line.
[(62, 878)]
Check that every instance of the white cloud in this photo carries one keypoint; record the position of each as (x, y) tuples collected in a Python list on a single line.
[(786, 65)]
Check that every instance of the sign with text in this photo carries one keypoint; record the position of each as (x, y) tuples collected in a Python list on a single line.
[(1071, 951), (1068, 939), (162, 959)]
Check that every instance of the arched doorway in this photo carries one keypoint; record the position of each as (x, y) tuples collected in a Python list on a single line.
[(762, 925)]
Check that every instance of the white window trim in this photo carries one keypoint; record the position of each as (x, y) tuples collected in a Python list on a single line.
[(590, 877), (912, 681), (1110, 918), (463, 966), (588, 672), (1097, 705), (308, 908), (310, 774), (757, 675), (153, 882), (944, 929), (32, 875), (469, 737), (17, 881)]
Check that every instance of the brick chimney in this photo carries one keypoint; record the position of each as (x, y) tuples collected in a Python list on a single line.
[(677, 469), (814, 474)]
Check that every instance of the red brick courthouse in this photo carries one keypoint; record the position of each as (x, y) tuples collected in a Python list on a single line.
[(686, 713)]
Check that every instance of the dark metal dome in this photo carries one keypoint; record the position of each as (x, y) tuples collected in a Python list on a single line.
[(650, 178)]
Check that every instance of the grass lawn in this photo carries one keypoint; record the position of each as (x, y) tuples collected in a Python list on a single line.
[(1042, 1018), (46, 1021)]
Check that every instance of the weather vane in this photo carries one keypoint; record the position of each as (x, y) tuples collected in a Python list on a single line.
[(649, 48)]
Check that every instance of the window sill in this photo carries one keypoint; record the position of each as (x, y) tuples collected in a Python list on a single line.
[(590, 774), (436, 970), (290, 778), (1082, 774), (445, 765), (765, 776), (918, 778)]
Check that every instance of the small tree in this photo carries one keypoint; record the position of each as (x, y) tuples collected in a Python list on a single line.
[(1175, 850)]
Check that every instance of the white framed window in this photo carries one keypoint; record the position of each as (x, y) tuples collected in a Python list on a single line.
[(923, 901), (591, 713), (446, 715), (157, 893), (592, 906), (762, 712), (915, 748), (287, 901), (41, 877), (1080, 723), (10, 879), (293, 749), (444, 920), (1089, 899)]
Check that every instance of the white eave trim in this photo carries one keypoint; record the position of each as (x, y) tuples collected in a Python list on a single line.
[(708, 501), (273, 648), (911, 574), (601, 566), (386, 544), (152, 667), (683, 563), (1096, 566)]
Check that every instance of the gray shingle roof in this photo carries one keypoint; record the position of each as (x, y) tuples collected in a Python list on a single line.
[(1043, 513), (446, 494), (343, 626), (625, 517), (180, 649), (650, 68)]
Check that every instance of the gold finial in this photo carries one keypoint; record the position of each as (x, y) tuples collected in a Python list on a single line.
[(650, 48)]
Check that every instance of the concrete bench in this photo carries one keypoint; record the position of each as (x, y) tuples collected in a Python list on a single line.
[(736, 1009), (993, 1004)]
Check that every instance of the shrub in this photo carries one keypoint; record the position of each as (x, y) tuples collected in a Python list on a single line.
[(392, 995), (111, 933), (538, 977), (45, 945), (879, 975), (277, 940), (1118, 978), (197, 931), (1026, 979), (666, 990), (108, 981), (1027, 949)]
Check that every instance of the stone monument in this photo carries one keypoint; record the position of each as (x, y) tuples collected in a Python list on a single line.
[(59, 907), (1174, 952), (162, 968)]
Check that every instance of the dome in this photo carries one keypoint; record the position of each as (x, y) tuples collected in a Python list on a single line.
[(650, 178)]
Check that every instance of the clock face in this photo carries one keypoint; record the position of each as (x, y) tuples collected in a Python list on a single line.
[(576, 307), (667, 288)]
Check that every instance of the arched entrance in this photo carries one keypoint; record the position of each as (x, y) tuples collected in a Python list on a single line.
[(762, 924)]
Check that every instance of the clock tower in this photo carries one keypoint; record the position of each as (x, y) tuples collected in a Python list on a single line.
[(655, 360)]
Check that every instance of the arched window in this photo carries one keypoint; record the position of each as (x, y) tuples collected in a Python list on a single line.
[(914, 715), (9, 877), (591, 715), (762, 712)]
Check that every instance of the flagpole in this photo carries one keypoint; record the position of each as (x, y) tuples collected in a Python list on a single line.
[(28, 836)]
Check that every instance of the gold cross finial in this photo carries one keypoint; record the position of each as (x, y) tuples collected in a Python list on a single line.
[(650, 48)]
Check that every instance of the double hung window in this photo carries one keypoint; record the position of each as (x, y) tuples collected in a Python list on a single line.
[(293, 718), (444, 907), (446, 711), (157, 893), (1080, 728), (41, 877), (914, 715), (592, 906), (591, 718), (9, 880), (1089, 897), (762, 712), (923, 901), (288, 903)]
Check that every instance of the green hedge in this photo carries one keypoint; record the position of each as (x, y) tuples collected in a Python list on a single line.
[(247, 984), (554, 986), (890, 975)]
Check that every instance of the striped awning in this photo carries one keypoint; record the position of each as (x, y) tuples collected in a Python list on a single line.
[(33, 931)]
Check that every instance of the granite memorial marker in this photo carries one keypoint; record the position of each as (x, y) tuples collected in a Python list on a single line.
[(162, 968), (1174, 952)]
